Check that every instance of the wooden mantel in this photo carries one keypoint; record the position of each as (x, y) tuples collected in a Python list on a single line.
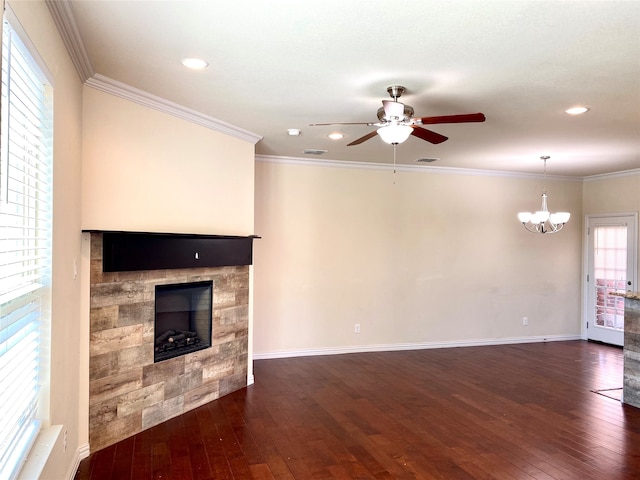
[(134, 251)]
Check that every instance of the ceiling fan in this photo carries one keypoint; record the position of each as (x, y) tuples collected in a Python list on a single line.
[(396, 122)]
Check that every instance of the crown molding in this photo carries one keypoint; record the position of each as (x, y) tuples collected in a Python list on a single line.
[(322, 162), (406, 168), (67, 27), (65, 22), (606, 176), (127, 92)]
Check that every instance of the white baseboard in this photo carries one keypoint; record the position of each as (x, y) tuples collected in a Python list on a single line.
[(250, 380), (411, 346), (81, 453)]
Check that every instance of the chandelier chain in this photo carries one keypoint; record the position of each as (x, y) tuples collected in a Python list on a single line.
[(544, 174)]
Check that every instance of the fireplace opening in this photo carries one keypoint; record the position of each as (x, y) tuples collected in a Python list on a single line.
[(183, 314)]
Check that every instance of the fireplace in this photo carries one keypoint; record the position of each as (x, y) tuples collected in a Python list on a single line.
[(129, 390), (182, 321)]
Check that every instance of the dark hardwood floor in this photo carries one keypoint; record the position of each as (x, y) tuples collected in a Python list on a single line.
[(526, 411)]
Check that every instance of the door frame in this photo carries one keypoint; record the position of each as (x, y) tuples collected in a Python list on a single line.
[(633, 260)]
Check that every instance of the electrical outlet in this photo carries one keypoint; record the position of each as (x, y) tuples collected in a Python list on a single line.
[(356, 328), (525, 321)]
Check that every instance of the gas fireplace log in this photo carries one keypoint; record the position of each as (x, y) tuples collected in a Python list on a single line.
[(164, 336), (164, 347), (177, 343), (177, 338), (187, 333)]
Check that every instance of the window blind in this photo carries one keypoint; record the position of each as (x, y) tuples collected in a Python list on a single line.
[(25, 246)]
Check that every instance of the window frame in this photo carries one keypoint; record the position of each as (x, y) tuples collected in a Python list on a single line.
[(35, 63)]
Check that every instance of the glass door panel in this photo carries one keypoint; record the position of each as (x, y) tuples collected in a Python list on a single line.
[(610, 274)]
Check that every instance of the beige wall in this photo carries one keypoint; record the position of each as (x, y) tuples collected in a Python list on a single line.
[(612, 194), (434, 258), (66, 342), (144, 170)]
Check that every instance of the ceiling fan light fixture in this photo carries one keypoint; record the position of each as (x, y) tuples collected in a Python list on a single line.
[(393, 110), (335, 136), (394, 134)]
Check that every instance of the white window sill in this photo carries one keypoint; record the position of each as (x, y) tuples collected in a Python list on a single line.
[(40, 452)]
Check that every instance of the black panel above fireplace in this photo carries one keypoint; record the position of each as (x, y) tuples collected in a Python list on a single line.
[(131, 251)]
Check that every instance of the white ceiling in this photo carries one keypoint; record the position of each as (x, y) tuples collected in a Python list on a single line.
[(285, 64)]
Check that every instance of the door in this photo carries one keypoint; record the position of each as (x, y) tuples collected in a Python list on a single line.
[(611, 267)]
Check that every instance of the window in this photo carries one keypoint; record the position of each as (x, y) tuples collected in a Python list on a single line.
[(610, 273), (25, 248)]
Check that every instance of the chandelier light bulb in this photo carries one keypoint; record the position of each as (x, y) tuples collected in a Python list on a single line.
[(542, 216), (560, 217), (524, 217)]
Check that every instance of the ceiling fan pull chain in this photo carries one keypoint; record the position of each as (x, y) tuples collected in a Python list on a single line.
[(394, 162)]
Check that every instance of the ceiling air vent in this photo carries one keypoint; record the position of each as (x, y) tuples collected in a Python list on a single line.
[(427, 160), (314, 151)]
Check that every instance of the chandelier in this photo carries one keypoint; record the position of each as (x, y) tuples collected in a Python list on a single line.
[(542, 221)]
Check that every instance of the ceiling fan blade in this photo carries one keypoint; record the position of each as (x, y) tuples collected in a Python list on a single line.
[(358, 141), (428, 135), (465, 118), (339, 123)]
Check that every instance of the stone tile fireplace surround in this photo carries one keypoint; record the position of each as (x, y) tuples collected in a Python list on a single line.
[(128, 392)]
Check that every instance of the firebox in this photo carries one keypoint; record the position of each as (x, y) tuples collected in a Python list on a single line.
[(183, 314)]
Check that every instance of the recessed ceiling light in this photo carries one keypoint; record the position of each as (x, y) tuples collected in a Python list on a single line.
[(576, 110), (195, 63), (294, 132), (335, 136)]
